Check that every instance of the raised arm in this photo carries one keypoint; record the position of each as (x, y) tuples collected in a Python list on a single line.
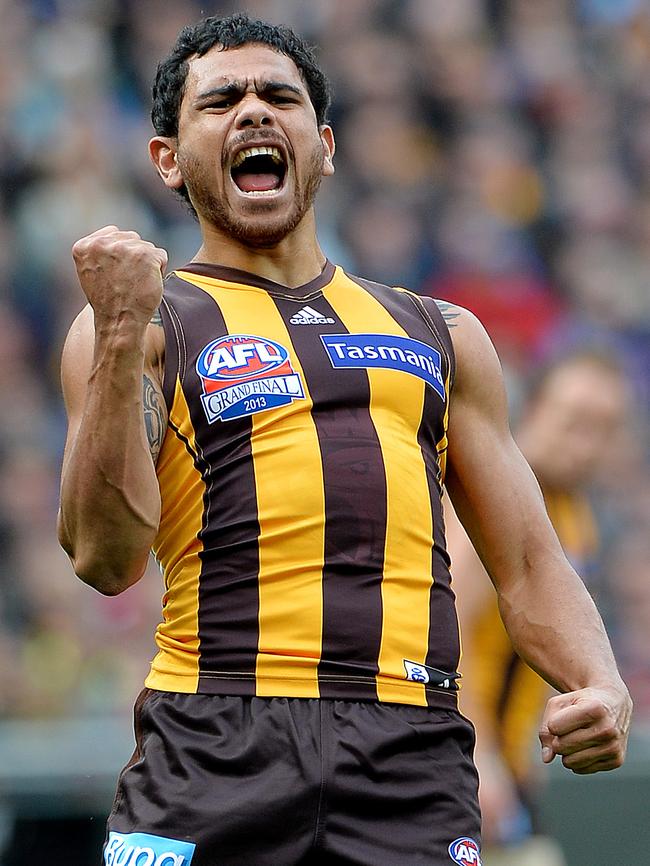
[(548, 613), (111, 375)]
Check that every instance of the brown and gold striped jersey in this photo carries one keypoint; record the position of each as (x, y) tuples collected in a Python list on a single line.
[(301, 537)]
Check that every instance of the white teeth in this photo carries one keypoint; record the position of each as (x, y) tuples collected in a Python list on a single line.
[(273, 152)]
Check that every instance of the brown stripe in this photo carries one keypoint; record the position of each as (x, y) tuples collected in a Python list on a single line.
[(444, 639), (435, 319), (509, 674), (228, 589), (355, 509), (171, 329), (425, 323)]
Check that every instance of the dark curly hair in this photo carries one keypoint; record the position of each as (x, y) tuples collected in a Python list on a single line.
[(231, 32)]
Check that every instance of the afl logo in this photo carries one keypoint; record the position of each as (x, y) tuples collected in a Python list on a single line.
[(240, 357), (465, 852), (242, 375)]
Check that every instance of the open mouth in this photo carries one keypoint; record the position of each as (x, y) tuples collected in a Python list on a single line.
[(259, 170)]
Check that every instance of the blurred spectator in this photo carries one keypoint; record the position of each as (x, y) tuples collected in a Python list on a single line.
[(575, 412)]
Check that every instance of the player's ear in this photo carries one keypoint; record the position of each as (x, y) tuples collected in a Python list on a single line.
[(163, 154), (329, 146)]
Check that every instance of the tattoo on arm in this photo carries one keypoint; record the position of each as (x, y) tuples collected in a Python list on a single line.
[(449, 313), (154, 416)]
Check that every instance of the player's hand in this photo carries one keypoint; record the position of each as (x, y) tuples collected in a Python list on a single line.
[(121, 274), (589, 728)]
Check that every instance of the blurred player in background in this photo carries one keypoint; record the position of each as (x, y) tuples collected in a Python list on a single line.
[(568, 431), (278, 432)]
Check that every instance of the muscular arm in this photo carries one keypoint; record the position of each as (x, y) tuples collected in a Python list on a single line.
[(500, 804), (111, 376), (549, 615)]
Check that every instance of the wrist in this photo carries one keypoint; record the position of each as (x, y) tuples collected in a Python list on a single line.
[(125, 325), (613, 684)]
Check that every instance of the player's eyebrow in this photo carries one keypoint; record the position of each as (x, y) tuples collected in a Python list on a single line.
[(234, 88), (273, 86), (231, 89)]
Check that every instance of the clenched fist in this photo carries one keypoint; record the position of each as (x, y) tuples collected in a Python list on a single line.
[(120, 274), (589, 728)]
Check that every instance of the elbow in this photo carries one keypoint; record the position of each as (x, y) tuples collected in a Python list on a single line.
[(104, 577), (109, 578), (109, 570)]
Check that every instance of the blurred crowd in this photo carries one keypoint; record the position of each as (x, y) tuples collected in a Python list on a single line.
[(495, 153)]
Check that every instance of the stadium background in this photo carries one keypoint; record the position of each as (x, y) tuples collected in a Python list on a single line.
[(492, 153)]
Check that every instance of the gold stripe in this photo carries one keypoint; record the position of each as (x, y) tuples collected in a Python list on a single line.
[(396, 404), (177, 548), (527, 694), (291, 513)]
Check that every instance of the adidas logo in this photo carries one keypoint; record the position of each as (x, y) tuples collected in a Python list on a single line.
[(310, 316)]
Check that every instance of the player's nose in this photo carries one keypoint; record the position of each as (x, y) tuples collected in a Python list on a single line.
[(254, 112)]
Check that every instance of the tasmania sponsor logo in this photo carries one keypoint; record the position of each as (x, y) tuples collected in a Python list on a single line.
[(465, 852), (243, 374), (143, 849), (390, 352)]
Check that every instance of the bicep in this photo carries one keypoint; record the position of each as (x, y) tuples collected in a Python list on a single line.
[(76, 368), (490, 483)]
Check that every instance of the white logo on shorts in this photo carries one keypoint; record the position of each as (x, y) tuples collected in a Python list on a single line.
[(144, 849)]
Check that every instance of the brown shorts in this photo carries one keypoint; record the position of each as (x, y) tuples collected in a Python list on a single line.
[(237, 781)]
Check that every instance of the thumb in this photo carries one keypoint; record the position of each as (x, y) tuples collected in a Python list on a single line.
[(545, 738)]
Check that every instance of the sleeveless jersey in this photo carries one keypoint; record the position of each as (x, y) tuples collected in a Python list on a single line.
[(301, 538), (510, 692)]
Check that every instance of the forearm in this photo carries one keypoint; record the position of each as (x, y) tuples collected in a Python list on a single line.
[(110, 500), (548, 613), (555, 626)]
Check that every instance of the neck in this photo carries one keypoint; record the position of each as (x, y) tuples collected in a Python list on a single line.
[(292, 262)]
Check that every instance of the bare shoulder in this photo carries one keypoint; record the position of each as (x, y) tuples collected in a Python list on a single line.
[(450, 312), (461, 322), (476, 357)]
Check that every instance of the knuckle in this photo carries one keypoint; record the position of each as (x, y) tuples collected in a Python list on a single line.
[(608, 732), (142, 252)]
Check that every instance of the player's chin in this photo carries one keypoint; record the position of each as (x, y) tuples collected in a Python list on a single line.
[(263, 229)]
